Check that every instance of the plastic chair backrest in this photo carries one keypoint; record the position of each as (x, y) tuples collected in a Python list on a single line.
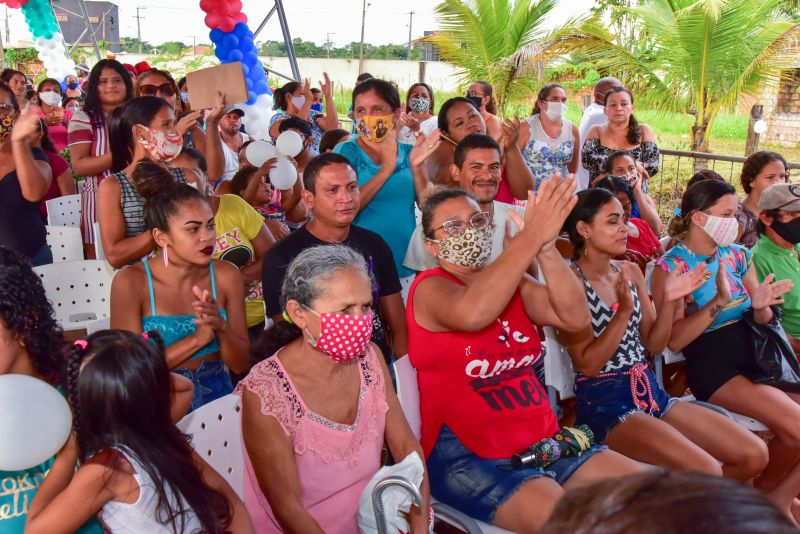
[(408, 393), (64, 211), (99, 251), (558, 371), (80, 291), (65, 243), (216, 436)]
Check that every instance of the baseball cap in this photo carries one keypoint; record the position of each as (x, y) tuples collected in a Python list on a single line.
[(784, 197), (234, 108)]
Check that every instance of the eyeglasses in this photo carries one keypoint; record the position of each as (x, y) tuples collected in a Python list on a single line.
[(149, 89), (455, 228), (475, 93)]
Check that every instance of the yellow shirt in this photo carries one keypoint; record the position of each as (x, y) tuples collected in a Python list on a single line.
[(238, 223)]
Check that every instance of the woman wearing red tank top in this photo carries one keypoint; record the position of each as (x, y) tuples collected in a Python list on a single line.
[(473, 343)]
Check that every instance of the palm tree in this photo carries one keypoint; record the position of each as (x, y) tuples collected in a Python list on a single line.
[(494, 40), (701, 55)]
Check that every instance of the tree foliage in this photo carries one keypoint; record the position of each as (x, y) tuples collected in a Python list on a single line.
[(698, 56), (494, 40), (350, 51)]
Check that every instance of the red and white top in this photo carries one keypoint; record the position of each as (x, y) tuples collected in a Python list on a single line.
[(482, 384)]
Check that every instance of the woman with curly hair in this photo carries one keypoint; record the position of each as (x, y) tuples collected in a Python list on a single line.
[(30, 344)]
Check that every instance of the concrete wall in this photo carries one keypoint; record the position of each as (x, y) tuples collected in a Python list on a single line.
[(343, 72)]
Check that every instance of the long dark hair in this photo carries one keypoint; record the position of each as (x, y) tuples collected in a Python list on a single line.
[(28, 315), (544, 92), (699, 197), (589, 203), (488, 91), (92, 105), (120, 391), (634, 135), (140, 110), (282, 94), (753, 165)]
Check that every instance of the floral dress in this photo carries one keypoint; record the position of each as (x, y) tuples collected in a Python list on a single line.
[(546, 156), (594, 156)]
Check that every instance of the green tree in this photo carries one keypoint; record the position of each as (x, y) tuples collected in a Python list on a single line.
[(701, 55), (172, 47), (494, 40)]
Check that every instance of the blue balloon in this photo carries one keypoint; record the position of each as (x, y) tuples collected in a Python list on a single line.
[(251, 58), (246, 44), (235, 55), (241, 29), (261, 87), (231, 41), (252, 99), (245, 69), (221, 52), (216, 35), (249, 83)]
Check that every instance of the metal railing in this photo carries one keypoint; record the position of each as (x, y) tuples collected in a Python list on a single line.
[(677, 166)]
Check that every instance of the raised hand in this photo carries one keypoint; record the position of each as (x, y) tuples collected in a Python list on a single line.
[(623, 290), (206, 310), (424, 147), (326, 86), (769, 293), (307, 90), (678, 285), (723, 286), (187, 122), (217, 111), (26, 127), (549, 207), (388, 150), (637, 257), (511, 128), (263, 171), (409, 121)]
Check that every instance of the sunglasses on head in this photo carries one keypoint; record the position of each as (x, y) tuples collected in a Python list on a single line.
[(149, 89)]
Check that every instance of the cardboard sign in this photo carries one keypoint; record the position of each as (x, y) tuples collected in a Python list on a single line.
[(204, 84)]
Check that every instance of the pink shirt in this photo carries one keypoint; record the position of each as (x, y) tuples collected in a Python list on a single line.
[(334, 461), (58, 132)]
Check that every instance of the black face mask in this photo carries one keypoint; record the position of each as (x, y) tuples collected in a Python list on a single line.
[(476, 100), (789, 231)]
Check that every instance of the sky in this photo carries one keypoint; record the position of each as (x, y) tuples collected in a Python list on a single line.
[(311, 20)]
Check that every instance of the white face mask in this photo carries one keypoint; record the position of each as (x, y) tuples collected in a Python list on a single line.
[(723, 230), (298, 101), (51, 98), (555, 110)]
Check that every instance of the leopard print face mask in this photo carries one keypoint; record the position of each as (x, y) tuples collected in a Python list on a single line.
[(472, 249)]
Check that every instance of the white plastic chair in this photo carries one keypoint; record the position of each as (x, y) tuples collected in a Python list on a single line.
[(408, 395), (216, 436), (65, 243), (99, 251), (559, 374), (80, 291), (64, 211)]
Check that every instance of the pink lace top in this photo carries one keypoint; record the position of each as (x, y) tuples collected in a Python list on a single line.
[(334, 461)]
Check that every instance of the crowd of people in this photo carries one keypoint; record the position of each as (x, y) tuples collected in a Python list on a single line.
[(450, 237)]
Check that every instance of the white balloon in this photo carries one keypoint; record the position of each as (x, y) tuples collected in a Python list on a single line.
[(289, 143), (35, 419), (258, 152), (760, 126), (283, 175)]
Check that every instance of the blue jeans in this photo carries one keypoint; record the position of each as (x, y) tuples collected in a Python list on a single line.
[(43, 256), (607, 400), (479, 486), (211, 381)]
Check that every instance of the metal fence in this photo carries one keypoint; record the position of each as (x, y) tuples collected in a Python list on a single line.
[(677, 166)]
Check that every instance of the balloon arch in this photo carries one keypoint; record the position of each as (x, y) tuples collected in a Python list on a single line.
[(233, 41)]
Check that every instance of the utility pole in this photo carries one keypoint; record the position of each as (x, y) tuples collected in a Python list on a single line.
[(194, 44), (329, 43), (361, 48), (410, 20), (8, 33), (139, 27)]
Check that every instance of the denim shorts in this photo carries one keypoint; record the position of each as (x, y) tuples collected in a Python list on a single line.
[(607, 400), (479, 486), (211, 381)]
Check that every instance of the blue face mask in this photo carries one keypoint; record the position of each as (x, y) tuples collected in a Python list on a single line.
[(185, 97), (72, 85)]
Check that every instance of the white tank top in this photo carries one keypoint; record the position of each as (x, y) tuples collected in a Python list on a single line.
[(140, 517)]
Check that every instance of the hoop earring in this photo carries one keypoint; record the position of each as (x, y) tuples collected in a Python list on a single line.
[(165, 255)]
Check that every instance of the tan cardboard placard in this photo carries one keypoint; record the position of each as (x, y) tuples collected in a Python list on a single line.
[(204, 85)]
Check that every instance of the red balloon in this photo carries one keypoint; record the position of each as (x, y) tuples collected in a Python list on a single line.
[(208, 5), (16, 4)]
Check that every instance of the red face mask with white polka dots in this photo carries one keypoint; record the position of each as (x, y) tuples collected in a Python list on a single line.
[(342, 337)]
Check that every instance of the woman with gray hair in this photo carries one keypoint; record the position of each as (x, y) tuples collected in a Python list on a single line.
[(316, 412)]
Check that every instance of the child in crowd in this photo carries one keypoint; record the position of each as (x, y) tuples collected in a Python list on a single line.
[(138, 470), (623, 164)]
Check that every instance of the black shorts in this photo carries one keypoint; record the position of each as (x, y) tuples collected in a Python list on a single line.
[(717, 356)]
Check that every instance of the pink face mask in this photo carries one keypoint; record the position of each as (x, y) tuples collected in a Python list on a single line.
[(162, 146), (342, 337)]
